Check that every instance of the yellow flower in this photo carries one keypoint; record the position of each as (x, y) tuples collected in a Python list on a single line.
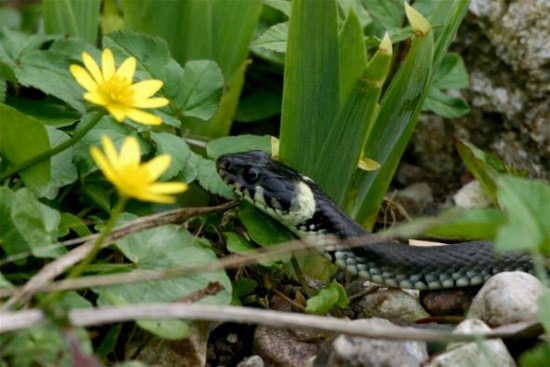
[(114, 89), (131, 177)]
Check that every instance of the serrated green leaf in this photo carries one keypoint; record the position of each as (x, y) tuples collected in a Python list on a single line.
[(21, 138), (174, 146), (160, 249), (201, 89), (37, 223), (208, 178), (273, 39), (527, 206), (236, 144)]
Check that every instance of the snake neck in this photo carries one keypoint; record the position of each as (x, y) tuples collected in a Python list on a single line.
[(325, 218)]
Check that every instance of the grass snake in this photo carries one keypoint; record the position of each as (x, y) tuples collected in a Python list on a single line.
[(298, 203)]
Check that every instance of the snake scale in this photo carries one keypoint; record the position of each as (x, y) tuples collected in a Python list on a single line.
[(298, 203)]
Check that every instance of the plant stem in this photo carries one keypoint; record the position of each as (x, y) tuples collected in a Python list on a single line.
[(115, 213), (57, 149), (81, 267)]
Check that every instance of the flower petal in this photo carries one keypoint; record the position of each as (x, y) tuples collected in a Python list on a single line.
[(110, 151), (92, 67), (103, 164), (143, 117), (118, 112), (107, 64), (83, 78), (163, 199), (127, 69), (157, 166), (146, 88), (168, 187), (151, 102), (96, 98), (129, 153)]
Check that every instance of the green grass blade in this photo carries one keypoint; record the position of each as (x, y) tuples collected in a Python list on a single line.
[(399, 111), (72, 17), (311, 82), (334, 164)]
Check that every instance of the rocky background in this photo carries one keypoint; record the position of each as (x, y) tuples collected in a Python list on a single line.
[(506, 48)]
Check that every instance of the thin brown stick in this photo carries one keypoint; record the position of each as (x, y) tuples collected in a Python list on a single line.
[(229, 262), (58, 266), (12, 321)]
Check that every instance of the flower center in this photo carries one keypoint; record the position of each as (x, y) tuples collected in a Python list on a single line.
[(118, 90)]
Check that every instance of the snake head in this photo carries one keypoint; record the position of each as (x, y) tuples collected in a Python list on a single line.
[(269, 185)]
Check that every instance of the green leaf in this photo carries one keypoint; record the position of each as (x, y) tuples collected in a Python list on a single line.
[(239, 245), (484, 166), (72, 17), (389, 13), (391, 132), (63, 169), (273, 39), (311, 95), (282, 5), (163, 248), (21, 138), (444, 105), (11, 241), (236, 144), (261, 228), (201, 89), (243, 287), (208, 177), (45, 344), (177, 148), (333, 296), (537, 356), (37, 224), (526, 205), (4, 284), (50, 111), (259, 105), (72, 222), (544, 310), (455, 223)]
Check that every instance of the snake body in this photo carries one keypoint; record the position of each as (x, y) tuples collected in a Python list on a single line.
[(298, 203)]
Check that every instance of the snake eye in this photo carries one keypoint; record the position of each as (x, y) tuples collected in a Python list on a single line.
[(251, 175)]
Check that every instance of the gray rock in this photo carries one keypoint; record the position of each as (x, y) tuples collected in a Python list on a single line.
[(472, 196), (282, 347), (392, 304), (490, 353), (252, 361), (347, 350), (507, 298)]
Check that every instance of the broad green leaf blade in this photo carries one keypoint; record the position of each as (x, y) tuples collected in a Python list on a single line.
[(458, 224), (449, 15), (159, 249), (21, 138), (37, 223), (11, 241), (388, 13), (526, 204), (353, 55), (387, 140), (333, 296), (311, 82), (72, 17), (261, 227), (208, 178), (236, 144)]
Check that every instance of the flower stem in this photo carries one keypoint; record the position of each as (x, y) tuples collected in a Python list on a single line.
[(57, 149), (115, 213), (81, 267)]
